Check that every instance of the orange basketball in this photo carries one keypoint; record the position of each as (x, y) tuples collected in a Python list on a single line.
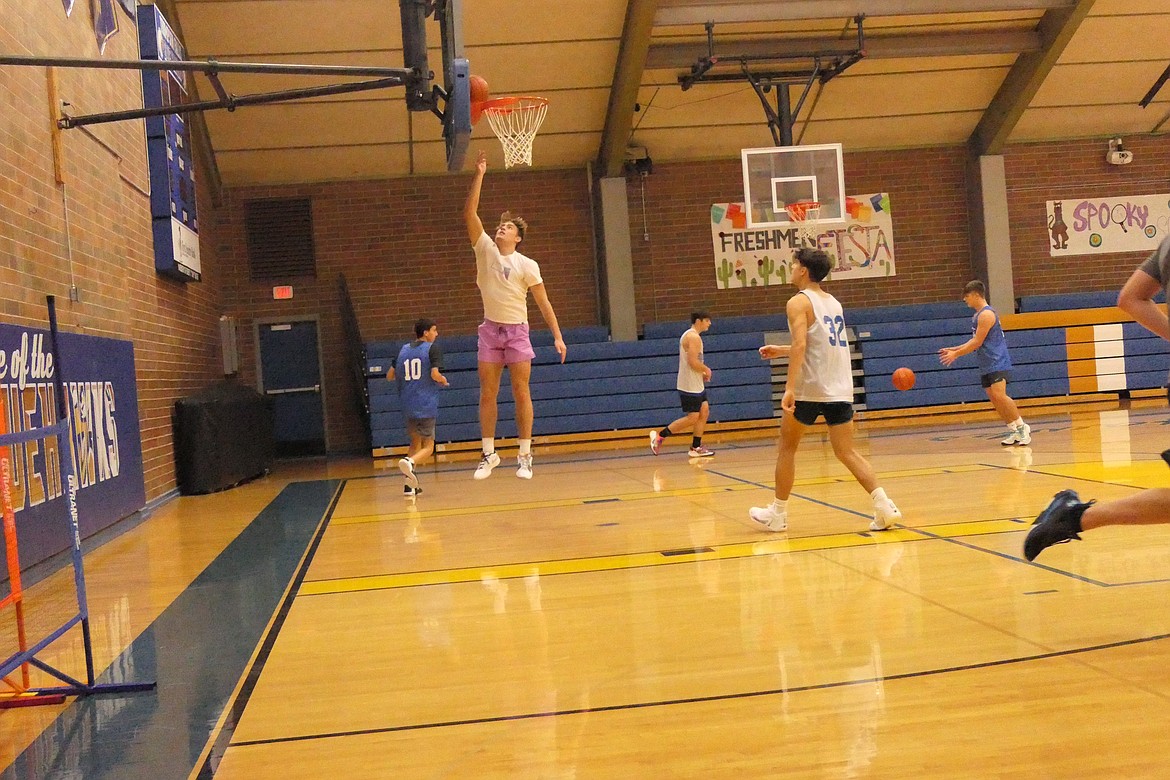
[(903, 379), (479, 93)]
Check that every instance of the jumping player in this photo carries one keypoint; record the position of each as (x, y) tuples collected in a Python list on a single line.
[(504, 277)]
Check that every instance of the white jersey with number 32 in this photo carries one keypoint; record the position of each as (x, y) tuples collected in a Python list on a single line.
[(827, 374)]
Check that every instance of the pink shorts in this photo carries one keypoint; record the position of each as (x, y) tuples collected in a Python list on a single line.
[(507, 344)]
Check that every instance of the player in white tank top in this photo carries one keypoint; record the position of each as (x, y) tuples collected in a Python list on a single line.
[(693, 376), (828, 369), (820, 382)]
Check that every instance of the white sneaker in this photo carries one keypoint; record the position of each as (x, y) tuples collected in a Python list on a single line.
[(406, 466), (767, 517), (524, 466), (486, 464), (1021, 436), (885, 514), (655, 442)]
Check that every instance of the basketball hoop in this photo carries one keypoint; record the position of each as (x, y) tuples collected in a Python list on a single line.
[(515, 121), (806, 214)]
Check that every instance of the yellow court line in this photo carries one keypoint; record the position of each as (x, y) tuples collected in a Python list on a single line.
[(618, 497), (646, 559)]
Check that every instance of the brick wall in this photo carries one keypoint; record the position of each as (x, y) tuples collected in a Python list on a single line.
[(404, 250), (674, 265), (173, 326), (1067, 170)]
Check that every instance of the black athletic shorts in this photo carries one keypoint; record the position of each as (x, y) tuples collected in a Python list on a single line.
[(835, 412), (692, 402), (987, 380)]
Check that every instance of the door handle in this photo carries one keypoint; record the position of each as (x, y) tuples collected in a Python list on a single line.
[(287, 390)]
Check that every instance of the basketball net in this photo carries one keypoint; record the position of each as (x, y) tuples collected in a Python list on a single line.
[(515, 121), (806, 214)]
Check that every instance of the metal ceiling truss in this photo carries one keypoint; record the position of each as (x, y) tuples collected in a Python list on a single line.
[(828, 62), (725, 11)]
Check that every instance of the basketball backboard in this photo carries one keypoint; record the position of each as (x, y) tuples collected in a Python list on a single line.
[(775, 176)]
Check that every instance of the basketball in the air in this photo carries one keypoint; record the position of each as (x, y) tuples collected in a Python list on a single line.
[(903, 379), (479, 93)]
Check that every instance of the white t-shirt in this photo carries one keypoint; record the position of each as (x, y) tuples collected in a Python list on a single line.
[(827, 373), (503, 282)]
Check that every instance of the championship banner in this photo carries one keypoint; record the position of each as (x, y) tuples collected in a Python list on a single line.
[(861, 248), (168, 152), (102, 402), (1098, 225)]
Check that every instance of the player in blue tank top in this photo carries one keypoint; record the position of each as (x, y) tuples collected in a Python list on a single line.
[(990, 346), (418, 374)]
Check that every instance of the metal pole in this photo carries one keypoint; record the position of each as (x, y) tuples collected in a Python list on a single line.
[(71, 487), (230, 104), (211, 66)]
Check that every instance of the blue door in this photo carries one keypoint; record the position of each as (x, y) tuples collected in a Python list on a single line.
[(290, 373)]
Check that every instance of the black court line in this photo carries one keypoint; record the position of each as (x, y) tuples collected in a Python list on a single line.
[(790, 495), (711, 698), (1042, 473)]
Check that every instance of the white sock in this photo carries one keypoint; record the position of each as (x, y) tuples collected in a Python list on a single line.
[(489, 445), (780, 506), (1019, 422), (526, 446), (879, 494)]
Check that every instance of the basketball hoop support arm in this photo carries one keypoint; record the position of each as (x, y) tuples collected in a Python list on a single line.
[(389, 77), (781, 119)]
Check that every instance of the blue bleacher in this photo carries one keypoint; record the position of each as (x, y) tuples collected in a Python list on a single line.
[(608, 385), (602, 386)]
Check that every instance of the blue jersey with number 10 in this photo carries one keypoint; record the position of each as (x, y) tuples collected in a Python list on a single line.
[(412, 373)]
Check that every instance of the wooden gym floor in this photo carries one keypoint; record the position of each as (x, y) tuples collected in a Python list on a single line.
[(616, 617)]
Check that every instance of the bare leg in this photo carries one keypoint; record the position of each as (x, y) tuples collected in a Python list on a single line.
[(841, 437), (415, 445), (701, 423), (791, 432), (422, 450), (519, 374), (1004, 405), (489, 391), (1144, 508), (684, 423)]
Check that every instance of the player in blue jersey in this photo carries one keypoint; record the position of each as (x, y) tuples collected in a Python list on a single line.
[(995, 365), (418, 374)]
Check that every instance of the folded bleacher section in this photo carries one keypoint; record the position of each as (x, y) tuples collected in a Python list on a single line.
[(602, 386), (1060, 346)]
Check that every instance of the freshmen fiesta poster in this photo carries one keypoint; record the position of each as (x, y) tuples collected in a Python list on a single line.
[(861, 247)]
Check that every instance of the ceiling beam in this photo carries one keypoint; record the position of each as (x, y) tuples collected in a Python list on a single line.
[(684, 55), (204, 151), (627, 78), (1023, 81), (702, 11)]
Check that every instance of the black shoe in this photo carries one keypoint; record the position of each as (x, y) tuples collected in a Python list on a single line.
[(409, 492), (1060, 522), (1166, 457)]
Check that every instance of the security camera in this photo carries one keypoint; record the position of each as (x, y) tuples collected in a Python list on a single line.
[(1118, 154)]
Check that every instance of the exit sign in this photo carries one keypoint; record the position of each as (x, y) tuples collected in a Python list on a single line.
[(282, 293)]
